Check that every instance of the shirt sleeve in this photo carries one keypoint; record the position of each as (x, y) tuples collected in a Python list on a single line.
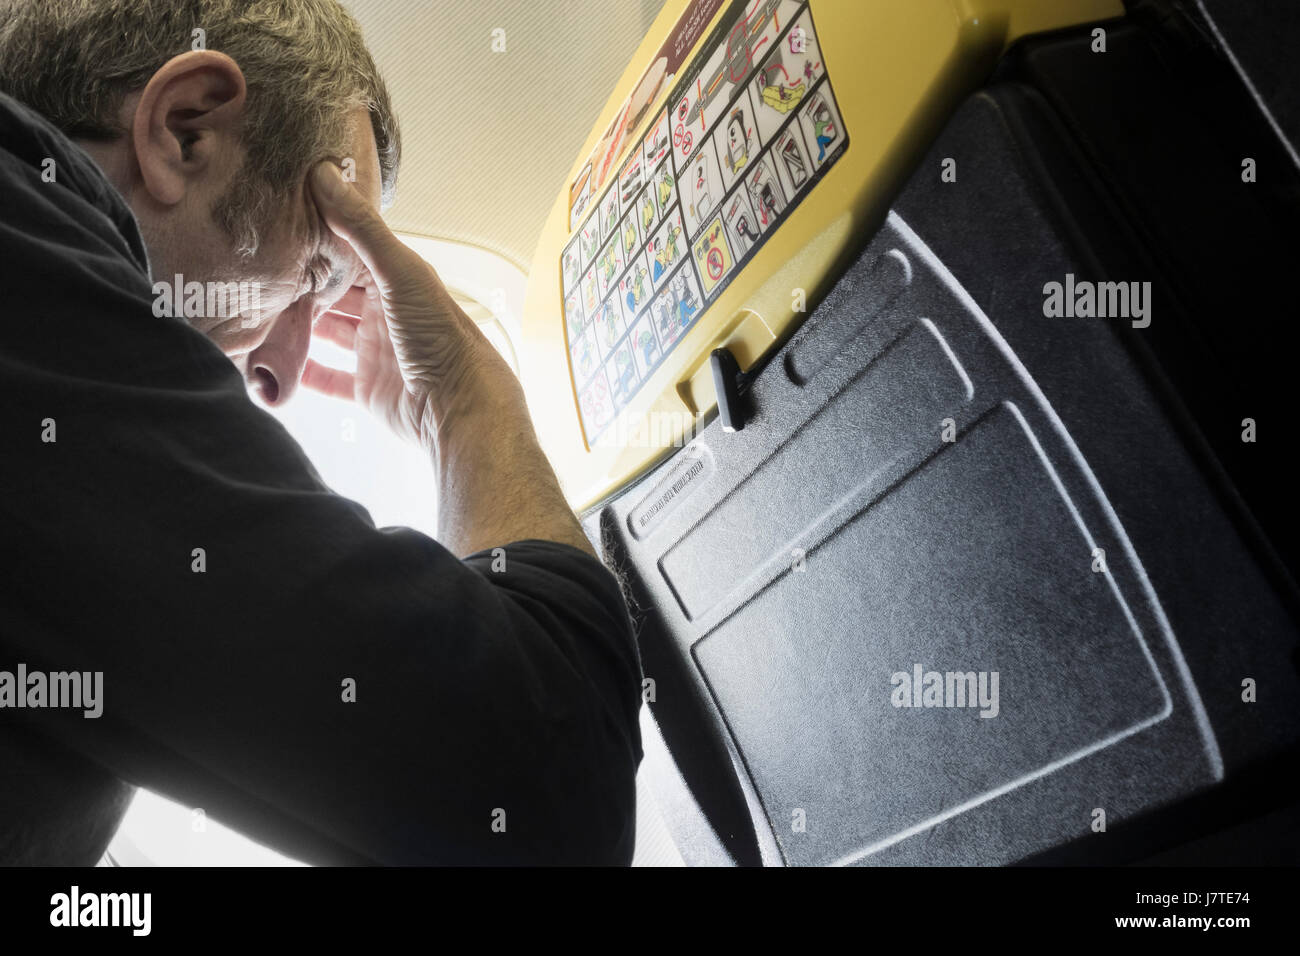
[(341, 692)]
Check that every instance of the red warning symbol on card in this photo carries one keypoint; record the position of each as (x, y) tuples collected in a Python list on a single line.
[(677, 134), (715, 264), (687, 140), (712, 255)]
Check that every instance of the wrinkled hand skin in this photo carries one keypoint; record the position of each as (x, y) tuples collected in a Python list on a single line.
[(418, 354)]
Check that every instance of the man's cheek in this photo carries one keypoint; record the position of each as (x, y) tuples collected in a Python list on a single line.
[(236, 337)]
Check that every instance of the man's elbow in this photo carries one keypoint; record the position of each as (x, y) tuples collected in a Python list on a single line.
[(594, 822)]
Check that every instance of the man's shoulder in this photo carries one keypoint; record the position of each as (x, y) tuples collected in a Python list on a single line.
[(56, 192)]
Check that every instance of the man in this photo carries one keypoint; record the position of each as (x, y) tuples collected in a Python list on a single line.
[(342, 693)]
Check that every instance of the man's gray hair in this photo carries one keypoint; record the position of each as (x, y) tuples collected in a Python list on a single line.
[(304, 61)]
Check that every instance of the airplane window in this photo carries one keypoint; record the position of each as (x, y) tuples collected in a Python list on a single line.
[(158, 832)]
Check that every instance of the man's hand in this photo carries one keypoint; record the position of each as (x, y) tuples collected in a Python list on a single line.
[(418, 354), (357, 323), (425, 368)]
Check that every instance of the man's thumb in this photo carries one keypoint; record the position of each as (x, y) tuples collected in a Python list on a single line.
[(348, 214), (327, 184)]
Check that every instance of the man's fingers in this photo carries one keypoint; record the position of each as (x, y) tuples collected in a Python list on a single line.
[(329, 381), (339, 329), (353, 302)]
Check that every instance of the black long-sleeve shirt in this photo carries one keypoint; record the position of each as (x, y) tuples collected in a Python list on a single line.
[(495, 712)]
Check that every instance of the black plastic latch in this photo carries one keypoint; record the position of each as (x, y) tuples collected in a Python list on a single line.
[(728, 382)]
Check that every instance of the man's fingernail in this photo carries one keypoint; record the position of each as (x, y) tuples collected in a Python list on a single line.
[(328, 178)]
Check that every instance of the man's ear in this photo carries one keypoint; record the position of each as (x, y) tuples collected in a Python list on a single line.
[(186, 120)]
